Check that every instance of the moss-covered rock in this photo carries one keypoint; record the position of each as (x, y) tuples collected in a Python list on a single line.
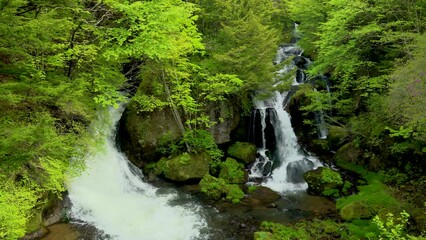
[(355, 210), (243, 151), (349, 153), (234, 193), (184, 167), (232, 171), (142, 133), (324, 182), (217, 189), (336, 137), (214, 188)]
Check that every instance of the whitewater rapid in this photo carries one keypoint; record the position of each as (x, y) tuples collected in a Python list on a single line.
[(112, 196)]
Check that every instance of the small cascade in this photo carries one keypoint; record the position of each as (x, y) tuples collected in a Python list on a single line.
[(112, 196), (281, 162)]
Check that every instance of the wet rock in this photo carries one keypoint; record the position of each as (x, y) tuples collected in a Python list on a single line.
[(300, 61), (243, 151), (267, 169), (36, 234), (262, 196), (295, 170), (62, 231), (184, 167)]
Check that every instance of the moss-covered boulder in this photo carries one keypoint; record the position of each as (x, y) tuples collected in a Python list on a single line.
[(232, 171), (214, 188), (349, 153), (217, 189), (336, 137), (234, 193), (243, 151), (141, 133), (323, 182), (355, 210), (184, 167)]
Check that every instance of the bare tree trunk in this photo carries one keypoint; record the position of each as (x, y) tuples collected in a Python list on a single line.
[(175, 112)]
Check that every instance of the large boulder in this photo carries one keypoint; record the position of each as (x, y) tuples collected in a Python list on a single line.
[(142, 133), (214, 188), (296, 169), (323, 182), (243, 151), (186, 166)]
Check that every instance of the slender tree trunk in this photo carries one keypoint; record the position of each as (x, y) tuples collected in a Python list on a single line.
[(175, 112)]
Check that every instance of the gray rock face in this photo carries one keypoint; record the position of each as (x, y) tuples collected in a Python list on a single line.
[(226, 117)]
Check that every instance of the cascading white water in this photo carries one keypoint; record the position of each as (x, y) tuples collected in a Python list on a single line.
[(288, 154), (111, 196), (288, 161)]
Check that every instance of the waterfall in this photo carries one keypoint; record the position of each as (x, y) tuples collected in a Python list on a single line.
[(112, 196), (280, 162)]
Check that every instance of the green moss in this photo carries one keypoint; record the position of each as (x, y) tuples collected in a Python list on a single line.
[(184, 167), (330, 176), (234, 193), (270, 230), (324, 182), (232, 171), (374, 196), (213, 187), (35, 222), (346, 186), (251, 188), (243, 151), (361, 229), (355, 210), (331, 193)]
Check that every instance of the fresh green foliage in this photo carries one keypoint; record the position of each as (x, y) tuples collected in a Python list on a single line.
[(16, 203), (394, 227), (202, 140)]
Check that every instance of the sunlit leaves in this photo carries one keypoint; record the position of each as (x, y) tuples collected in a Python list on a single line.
[(157, 29)]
